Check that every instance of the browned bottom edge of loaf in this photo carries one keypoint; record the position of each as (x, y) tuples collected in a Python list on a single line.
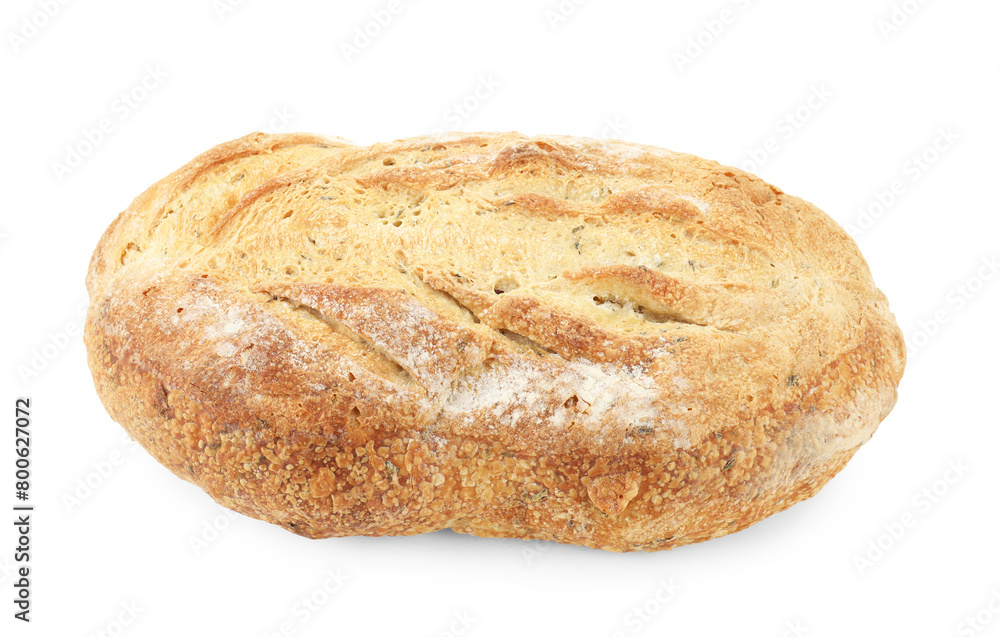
[(182, 433)]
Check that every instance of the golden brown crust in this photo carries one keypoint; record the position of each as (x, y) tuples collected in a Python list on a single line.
[(594, 342)]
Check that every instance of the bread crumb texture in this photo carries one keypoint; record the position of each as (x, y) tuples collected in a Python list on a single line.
[(592, 342)]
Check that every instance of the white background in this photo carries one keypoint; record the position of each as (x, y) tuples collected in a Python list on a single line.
[(903, 541)]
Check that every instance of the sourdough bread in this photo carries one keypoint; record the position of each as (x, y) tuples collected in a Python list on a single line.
[(593, 342)]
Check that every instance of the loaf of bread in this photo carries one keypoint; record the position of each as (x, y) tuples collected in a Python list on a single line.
[(593, 342)]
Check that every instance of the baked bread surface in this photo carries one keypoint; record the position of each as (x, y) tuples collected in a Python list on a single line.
[(593, 342)]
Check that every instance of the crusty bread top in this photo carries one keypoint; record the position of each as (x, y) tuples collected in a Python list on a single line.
[(551, 293)]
